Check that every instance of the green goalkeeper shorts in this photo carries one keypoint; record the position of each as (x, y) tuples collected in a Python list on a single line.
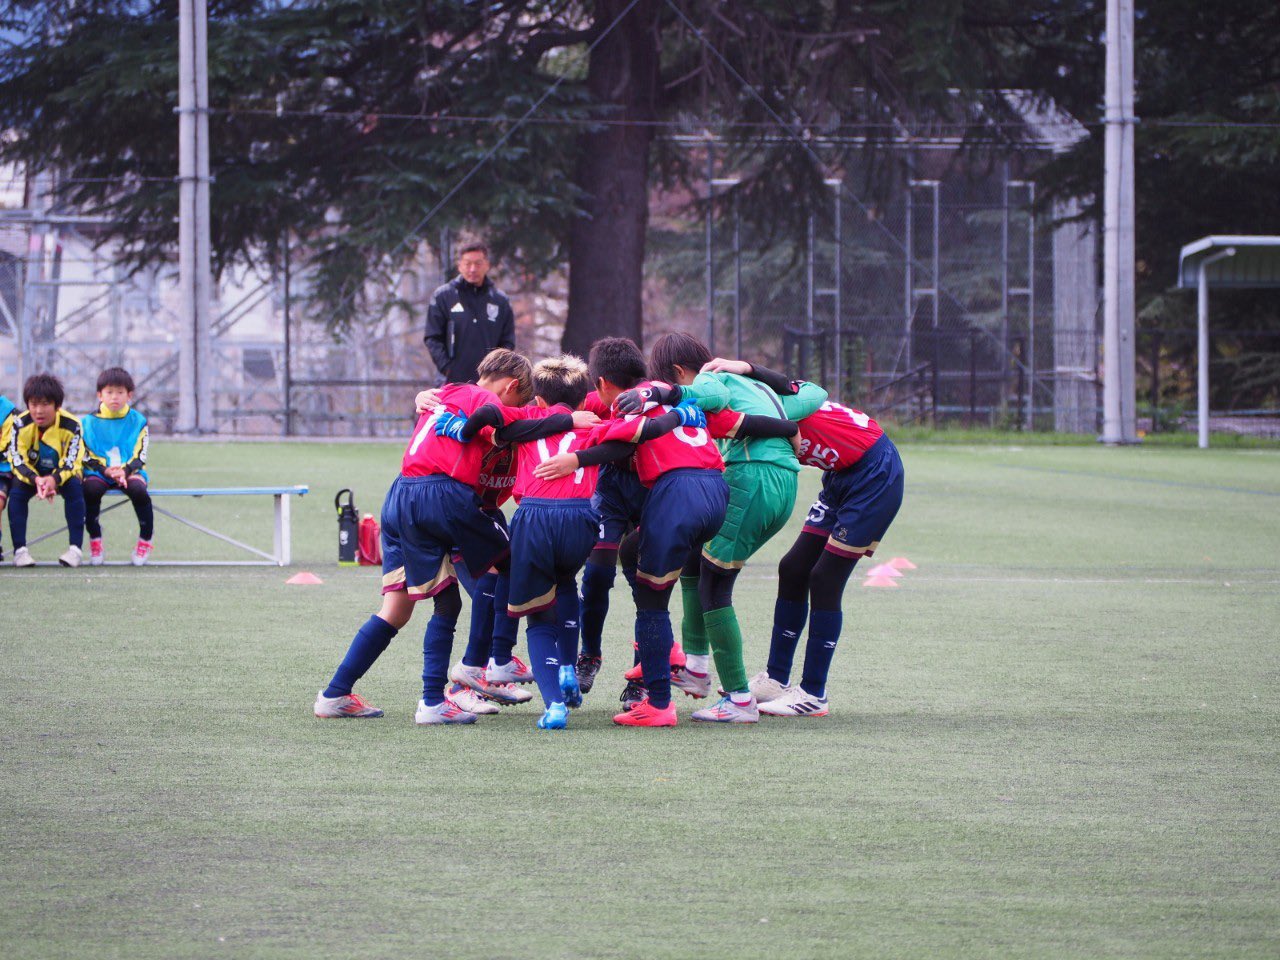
[(761, 498)]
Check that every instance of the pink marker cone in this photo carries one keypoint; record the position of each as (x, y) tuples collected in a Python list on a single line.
[(902, 563), (880, 582), (305, 578), (883, 570)]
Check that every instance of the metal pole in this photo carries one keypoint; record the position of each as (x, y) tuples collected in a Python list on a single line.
[(1031, 305), (288, 347), (837, 291), (1119, 421), (710, 269), (1202, 346), (908, 298), (737, 277)]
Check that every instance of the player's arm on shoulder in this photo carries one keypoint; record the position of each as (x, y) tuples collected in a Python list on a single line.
[(464, 427), (754, 425), (806, 400), (564, 464), (523, 431), (708, 390)]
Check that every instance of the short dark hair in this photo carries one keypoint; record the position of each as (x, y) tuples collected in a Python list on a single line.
[(43, 386), (115, 377), (471, 245), (561, 379), (617, 360), (672, 349)]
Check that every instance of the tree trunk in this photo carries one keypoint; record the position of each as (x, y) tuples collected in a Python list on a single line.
[(606, 246)]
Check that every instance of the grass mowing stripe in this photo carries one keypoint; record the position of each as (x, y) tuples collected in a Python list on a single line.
[(1160, 483)]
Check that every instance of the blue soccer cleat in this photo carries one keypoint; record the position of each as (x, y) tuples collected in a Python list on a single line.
[(555, 718), (569, 686)]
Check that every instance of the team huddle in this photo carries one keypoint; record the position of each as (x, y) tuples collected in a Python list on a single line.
[(678, 471)]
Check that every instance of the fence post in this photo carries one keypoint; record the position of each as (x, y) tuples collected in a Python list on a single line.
[(973, 377), (933, 377), (1022, 379), (1156, 337)]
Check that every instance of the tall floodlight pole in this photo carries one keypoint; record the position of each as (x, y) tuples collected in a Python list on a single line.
[(195, 374), (1119, 387)]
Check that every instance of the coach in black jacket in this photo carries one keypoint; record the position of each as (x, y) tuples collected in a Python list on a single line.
[(468, 317)]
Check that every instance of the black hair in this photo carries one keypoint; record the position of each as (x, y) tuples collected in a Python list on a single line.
[(672, 349), (115, 377), (43, 386), (618, 361), (471, 245), (561, 379)]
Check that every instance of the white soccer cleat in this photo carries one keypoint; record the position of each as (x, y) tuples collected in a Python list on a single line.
[(764, 688), (141, 553), (515, 671), (796, 703), (96, 552), (352, 706), (22, 558), (726, 711), (692, 685), (444, 712), (72, 557), (471, 701), (507, 694)]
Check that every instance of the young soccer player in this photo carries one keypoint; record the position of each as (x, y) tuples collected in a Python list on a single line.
[(552, 533), (46, 453), (685, 508), (616, 364), (431, 507), (862, 487), (115, 456), (761, 473), (8, 413)]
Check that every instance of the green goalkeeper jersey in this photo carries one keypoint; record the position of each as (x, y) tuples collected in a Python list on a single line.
[(716, 391)]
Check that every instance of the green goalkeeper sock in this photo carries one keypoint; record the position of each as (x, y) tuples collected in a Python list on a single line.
[(726, 643), (693, 633)]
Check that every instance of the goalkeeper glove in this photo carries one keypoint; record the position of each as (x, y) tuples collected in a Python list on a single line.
[(450, 425), (691, 414), (637, 400)]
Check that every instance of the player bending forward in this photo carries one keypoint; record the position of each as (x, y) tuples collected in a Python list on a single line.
[(862, 486)]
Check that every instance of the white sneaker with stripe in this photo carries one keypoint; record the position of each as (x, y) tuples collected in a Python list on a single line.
[(794, 702)]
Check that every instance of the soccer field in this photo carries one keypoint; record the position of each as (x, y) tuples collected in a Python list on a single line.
[(1057, 738)]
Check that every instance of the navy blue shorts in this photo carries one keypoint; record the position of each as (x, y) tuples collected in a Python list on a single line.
[(550, 540), (685, 509), (857, 504), (619, 499), (423, 520)]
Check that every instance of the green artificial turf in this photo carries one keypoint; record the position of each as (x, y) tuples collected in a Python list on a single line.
[(1057, 738)]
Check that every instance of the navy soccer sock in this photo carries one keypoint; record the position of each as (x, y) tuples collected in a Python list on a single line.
[(437, 648), (370, 640), (789, 617), (824, 633), (567, 622), (504, 627), (19, 497), (544, 658), (653, 640), (597, 581), (480, 639)]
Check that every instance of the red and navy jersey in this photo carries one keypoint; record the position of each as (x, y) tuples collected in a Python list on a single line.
[(682, 447), (597, 406), (580, 483), (834, 437), (497, 475), (428, 454)]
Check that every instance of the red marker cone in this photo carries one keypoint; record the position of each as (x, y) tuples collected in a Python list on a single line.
[(304, 578)]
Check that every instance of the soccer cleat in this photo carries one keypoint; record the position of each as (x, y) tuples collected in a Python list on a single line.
[(692, 684), (634, 692), (726, 711), (444, 712), (96, 554), (507, 694), (72, 557), (22, 558), (645, 714), (471, 701), (569, 687), (351, 706), (764, 688), (587, 669), (794, 702), (141, 553), (515, 671), (556, 716)]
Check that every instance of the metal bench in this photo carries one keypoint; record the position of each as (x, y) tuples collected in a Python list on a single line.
[(281, 556)]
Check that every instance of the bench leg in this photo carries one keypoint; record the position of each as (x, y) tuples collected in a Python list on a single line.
[(283, 539)]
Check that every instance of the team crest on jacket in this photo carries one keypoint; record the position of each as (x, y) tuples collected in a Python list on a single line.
[(492, 310)]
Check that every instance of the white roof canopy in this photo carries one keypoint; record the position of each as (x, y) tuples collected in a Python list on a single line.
[(1255, 263)]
